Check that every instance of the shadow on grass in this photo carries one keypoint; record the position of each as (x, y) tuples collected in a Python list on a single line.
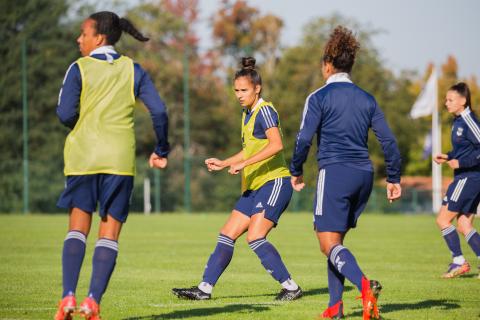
[(425, 304), (203, 312), (470, 275), (311, 292), (314, 292)]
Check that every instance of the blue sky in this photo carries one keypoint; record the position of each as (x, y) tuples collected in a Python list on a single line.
[(414, 32)]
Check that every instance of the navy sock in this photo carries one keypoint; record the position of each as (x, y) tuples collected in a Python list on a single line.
[(219, 259), (270, 259), (72, 258), (345, 263), (104, 259), (473, 239), (453, 241), (336, 281)]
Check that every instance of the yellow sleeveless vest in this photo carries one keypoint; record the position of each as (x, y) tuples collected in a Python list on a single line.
[(256, 175), (103, 140)]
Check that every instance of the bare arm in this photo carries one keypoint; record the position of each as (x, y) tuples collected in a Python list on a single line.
[(214, 164)]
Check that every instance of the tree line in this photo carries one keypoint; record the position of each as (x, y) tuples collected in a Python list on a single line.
[(50, 28)]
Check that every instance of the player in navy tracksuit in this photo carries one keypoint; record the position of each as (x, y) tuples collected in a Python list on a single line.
[(463, 194), (340, 114)]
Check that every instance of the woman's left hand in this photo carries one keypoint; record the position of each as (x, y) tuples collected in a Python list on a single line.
[(236, 168), (453, 164), (156, 161)]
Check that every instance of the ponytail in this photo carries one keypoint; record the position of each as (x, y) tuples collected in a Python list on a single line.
[(109, 24), (128, 27)]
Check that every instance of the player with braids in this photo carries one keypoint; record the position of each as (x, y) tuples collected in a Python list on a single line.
[(463, 194), (266, 190), (97, 102), (341, 114)]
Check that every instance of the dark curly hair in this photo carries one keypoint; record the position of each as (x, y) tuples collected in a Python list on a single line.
[(341, 49), (111, 25)]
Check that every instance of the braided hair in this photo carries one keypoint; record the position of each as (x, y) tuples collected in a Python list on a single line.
[(341, 49), (111, 25)]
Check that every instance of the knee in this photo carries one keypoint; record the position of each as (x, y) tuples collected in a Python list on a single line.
[(464, 227), (229, 233), (442, 223), (326, 248), (253, 236)]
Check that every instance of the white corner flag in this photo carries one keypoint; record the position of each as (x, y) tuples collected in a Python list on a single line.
[(427, 104), (427, 99)]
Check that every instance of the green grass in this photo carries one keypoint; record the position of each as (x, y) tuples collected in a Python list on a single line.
[(406, 253)]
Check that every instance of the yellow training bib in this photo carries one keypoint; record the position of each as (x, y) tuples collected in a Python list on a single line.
[(103, 140), (257, 174)]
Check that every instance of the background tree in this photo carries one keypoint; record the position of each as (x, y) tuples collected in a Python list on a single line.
[(51, 47)]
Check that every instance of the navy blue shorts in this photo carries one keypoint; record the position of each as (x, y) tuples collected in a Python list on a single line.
[(342, 194), (463, 194), (273, 197), (113, 192)]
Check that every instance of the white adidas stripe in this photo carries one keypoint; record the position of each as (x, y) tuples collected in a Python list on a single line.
[(267, 116), (255, 245), (447, 230), (472, 125), (226, 239), (335, 252), (275, 184), (64, 78), (305, 108), (76, 235), (107, 244), (458, 189), (264, 117), (275, 192), (320, 191), (226, 243), (470, 235)]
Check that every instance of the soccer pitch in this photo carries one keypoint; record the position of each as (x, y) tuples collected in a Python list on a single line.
[(156, 253)]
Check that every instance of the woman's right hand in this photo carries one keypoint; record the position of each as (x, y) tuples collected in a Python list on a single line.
[(214, 164), (440, 158), (297, 183), (394, 191)]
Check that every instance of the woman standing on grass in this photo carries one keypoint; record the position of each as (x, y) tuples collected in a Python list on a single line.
[(463, 194), (266, 195), (340, 114), (97, 102)]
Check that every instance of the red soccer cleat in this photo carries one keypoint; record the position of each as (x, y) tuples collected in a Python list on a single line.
[(334, 312), (89, 309), (66, 308), (370, 292)]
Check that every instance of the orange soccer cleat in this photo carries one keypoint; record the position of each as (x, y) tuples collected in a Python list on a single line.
[(66, 308), (456, 270), (89, 309), (370, 292), (334, 312)]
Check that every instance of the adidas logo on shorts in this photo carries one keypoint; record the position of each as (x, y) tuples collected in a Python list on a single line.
[(259, 205)]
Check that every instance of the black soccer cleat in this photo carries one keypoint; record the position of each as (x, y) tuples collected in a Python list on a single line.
[(289, 295), (192, 293)]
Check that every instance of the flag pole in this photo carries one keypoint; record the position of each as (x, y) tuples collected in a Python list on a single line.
[(436, 149)]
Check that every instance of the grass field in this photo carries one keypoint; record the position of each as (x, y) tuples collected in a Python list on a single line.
[(158, 252)]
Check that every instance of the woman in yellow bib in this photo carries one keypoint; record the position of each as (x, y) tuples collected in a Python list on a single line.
[(266, 190), (97, 102)]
